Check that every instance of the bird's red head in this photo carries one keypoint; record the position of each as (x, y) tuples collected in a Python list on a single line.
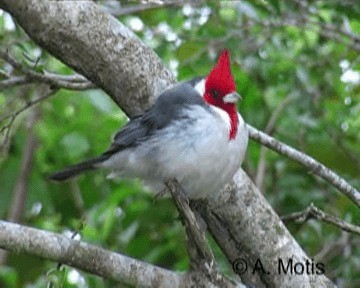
[(220, 90)]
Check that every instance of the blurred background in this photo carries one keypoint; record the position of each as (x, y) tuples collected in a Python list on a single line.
[(296, 65)]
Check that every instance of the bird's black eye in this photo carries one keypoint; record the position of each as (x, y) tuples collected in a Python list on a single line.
[(215, 94)]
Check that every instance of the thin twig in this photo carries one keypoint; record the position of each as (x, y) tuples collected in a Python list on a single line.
[(71, 82), (75, 78), (307, 161), (47, 92), (40, 78), (333, 248), (313, 212), (13, 81), (28, 104), (6, 129)]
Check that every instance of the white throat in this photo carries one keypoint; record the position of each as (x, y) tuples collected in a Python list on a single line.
[(200, 87)]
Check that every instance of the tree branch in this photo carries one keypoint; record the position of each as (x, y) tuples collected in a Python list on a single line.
[(335, 248), (307, 161), (98, 261), (72, 82), (44, 93), (312, 212), (13, 81), (6, 130)]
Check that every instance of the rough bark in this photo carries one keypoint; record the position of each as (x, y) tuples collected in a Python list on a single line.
[(254, 239), (107, 53), (98, 261)]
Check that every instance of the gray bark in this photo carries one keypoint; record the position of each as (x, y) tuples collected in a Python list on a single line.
[(98, 46), (110, 265), (250, 233)]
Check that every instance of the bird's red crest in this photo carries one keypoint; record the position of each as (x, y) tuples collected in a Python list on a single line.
[(221, 75)]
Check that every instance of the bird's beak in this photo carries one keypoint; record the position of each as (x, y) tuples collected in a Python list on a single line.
[(232, 97)]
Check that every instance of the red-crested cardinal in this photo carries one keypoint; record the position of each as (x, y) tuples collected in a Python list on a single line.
[(193, 133)]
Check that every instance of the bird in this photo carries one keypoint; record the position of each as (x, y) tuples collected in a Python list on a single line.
[(193, 132)]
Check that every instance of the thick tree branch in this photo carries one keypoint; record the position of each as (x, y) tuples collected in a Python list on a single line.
[(78, 254), (248, 230), (307, 161)]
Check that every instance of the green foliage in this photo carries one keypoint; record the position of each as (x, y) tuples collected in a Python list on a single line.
[(281, 52)]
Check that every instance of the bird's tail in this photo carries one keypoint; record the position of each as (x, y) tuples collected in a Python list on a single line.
[(76, 169)]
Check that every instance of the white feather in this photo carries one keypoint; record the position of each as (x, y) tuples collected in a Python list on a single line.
[(200, 87)]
